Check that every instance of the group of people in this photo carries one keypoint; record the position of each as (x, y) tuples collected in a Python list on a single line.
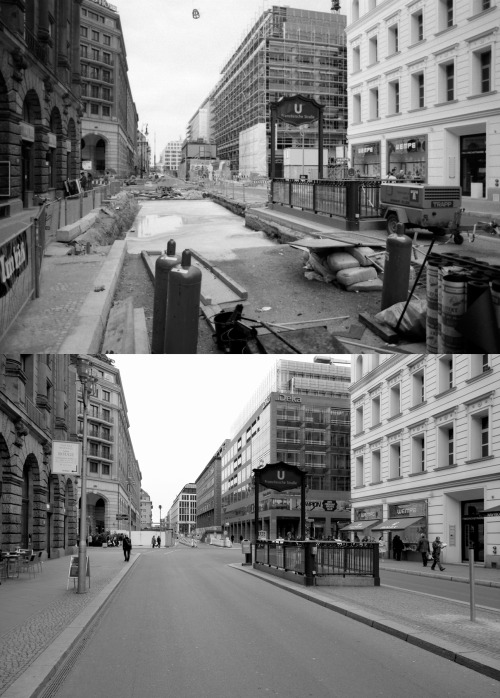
[(424, 548), (156, 541)]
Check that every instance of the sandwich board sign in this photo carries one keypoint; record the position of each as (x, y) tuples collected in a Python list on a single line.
[(73, 569)]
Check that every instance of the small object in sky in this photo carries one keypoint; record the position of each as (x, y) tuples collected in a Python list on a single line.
[(196, 14)]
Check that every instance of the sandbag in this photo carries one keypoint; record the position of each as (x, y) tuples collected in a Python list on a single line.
[(372, 285), (337, 261), (317, 264), (361, 254), (346, 277), (414, 320)]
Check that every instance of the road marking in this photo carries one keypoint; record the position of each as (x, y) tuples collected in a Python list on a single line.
[(444, 598)]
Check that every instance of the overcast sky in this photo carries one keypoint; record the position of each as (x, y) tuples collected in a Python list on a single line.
[(174, 60), (181, 408)]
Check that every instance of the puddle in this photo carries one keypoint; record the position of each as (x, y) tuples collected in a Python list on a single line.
[(151, 225)]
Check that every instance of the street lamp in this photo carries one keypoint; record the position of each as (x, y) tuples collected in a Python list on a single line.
[(159, 507), (88, 380)]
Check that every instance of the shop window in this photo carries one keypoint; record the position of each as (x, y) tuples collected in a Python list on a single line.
[(395, 460), (393, 97), (359, 471), (376, 471), (479, 364), (372, 50), (356, 109), (359, 419), (393, 39), (445, 373), (417, 90), (376, 411), (481, 71), (395, 400), (418, 387), (356, 59), (445, 14), (446, 82), (480, 435), (373, 103), (417, 27), (446, 445), (418, 454)]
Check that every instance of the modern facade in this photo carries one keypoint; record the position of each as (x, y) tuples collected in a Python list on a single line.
[(39, 100), (200, 124), (423, 90), (425, 451), (110, 119), (170, 156), (299, 415), (208, 494), (146, 510), (286, 52), (113, 475), (181, 517)]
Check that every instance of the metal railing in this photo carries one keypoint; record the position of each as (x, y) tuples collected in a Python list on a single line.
[(322, 558)]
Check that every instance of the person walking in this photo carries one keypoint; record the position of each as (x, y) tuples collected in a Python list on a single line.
[(158, 540), (153, 541), (437, 546), (423, 548), (127, 547), (397, 547)]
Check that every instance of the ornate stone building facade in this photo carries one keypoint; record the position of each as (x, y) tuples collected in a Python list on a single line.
[(37, 406), (39, 99)]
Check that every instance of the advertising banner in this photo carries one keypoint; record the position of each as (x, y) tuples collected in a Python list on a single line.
[(65, 457)]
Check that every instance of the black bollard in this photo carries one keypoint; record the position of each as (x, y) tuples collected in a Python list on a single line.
[(183, 307), (164, 264)]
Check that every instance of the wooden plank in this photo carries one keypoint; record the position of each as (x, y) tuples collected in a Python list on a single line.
[(310, 340), (119, 336), (382, 331)]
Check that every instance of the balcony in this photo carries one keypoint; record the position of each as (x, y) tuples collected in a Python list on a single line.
[(38, 49)]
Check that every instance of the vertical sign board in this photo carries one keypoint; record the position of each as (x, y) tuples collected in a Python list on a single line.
[(65, 457), (73, 570)]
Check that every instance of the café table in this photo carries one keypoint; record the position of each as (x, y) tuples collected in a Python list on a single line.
[(12, 562)]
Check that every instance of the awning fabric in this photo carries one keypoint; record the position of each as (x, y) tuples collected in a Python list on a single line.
[(359, 525), (397, 524), (494, 511)]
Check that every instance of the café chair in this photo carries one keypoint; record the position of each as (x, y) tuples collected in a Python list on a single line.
[(39, 561), (27, 563)]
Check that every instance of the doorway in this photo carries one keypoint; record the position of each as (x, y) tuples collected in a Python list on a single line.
[(472, 530), (472, 162)]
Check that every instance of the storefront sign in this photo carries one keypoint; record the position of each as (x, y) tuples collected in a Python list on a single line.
[(65, 457), (368, 514), (13, 261), (407, 509), (27, 132), (288, 398), (52, 140)]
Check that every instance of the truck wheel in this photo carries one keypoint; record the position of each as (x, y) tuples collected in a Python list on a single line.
[(458, 239), (392, 224)]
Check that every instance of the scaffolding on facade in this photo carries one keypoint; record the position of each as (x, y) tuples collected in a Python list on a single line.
[(286, 52)]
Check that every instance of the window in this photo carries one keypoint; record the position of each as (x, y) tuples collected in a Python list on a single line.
[(418, 454), (481, 71), (94, 109), (288, 435), (106, 111), (93, 449), (83, 51), (105, 452), (395, 400), (479, 364), (106, 76), (315, 437), (95, 35), (373, 103), (372, 49), (95, 54), (84, 31), (105, 469), (393, 97), (395, 460), (106, 395), (106, 40), (418, 387), (106, 93), (445, 373), (356, 63), (106, 415), (446, 445), (93, 467), (417, 91), (376, 472), (359, 419), (480, 435), (359, 471), (393, 39), (376, 411), (417, 27), (94, 91), (445, 15), (106, 57), (356, 108), (315, 460)]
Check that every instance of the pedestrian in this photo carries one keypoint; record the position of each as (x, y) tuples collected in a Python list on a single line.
[(153, 541), (397, 547), (127, 547), (193, 543), (83, 180), (158, 540), (437, 546), (423, 548), (232, 539), (356, 538)]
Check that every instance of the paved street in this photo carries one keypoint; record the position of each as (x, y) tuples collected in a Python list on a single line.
[(186, 623)]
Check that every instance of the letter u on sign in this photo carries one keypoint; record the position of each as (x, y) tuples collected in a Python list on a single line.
[(298, 108), (280, 474)]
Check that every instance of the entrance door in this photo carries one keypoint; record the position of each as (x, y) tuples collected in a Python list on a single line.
[(472, 530), (472, 162)]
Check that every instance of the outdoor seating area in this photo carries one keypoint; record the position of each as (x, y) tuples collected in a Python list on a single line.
[(21, 561)]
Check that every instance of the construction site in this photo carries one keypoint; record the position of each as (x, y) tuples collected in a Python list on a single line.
[(286, 52)]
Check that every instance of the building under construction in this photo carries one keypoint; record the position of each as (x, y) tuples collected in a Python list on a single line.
[(286, 52)]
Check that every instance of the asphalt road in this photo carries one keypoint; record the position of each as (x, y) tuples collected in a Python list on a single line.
[(488, 597), (185, 624)]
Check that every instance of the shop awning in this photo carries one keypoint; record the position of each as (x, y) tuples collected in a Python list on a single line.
[(360, 525), (397, 524), (494, 511)]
